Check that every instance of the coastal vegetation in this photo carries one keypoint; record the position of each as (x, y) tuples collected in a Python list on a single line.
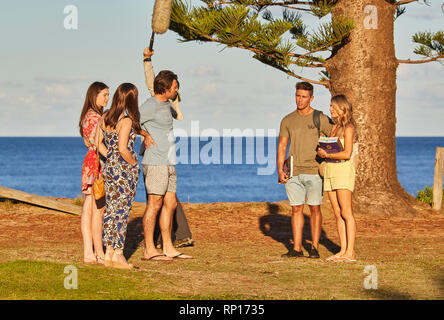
[(426, 195)]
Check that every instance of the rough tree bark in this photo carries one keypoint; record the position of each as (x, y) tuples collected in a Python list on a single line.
[(364, 69)]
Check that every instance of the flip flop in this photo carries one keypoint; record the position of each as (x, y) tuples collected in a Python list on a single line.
[(333, 258), (344, 259), (100, 260), (156, 258), (181, 256)]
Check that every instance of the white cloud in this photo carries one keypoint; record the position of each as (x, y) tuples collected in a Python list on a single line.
[(11, 84), (420, 11), (203, 71), (60, 80), (209, 88), (26, 100), (59, 90)]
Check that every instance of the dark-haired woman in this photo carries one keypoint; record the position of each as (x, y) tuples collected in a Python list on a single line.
[(91, 222), (121, 171)]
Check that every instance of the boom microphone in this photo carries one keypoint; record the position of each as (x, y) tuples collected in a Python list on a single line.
[(161, 18)]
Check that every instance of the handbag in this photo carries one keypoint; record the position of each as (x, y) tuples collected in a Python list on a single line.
[(98, 185)]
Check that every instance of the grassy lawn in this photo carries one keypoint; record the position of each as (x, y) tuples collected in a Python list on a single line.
[(232, 272), (233, 259)]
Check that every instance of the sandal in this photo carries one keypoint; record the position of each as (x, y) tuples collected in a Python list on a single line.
[(345, 259), (180, 256), (157, 257), (333, 258), (100, 260)]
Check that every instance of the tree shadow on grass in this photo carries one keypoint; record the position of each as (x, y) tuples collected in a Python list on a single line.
[(439, 280), (278, 227), (392, 294), (387, 294)]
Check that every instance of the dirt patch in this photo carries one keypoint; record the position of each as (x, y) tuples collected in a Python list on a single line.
[(238, 254), (40, 229)]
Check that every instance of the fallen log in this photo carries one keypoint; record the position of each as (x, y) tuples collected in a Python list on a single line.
[(42, 201)]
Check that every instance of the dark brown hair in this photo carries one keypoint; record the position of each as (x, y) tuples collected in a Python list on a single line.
[(163, 81), (304, 86), (90, 102), (125, 99)]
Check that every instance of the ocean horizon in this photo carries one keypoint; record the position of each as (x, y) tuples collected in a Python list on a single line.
[(210, 169)]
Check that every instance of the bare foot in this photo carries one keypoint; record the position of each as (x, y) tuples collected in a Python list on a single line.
[(335, 257), (348, 257), (100, 260), (89, 260), (120, 262), (178, 255)]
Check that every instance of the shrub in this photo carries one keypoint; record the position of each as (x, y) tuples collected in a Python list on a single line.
[(426, 195), (79, 200)]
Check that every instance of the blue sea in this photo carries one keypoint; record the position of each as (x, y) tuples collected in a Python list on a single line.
[(209, 170)]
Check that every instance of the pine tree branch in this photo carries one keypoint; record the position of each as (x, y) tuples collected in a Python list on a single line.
[(316, 50), (322, 83), (211, 39), (440, 56), (260, 3), (281, 55), (404, 2), (289, 4), (310, 65), (295, 8)]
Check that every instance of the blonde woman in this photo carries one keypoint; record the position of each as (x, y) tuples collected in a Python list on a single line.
[(339, 177)]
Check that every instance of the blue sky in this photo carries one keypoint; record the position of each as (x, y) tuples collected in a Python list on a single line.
[(46, 70)]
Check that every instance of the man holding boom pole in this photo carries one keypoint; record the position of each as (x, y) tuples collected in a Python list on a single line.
[(156, 117)]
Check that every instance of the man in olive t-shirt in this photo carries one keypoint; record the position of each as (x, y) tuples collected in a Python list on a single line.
[(299, 131)]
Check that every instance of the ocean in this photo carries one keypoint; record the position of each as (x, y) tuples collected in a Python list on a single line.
[(209, 170)]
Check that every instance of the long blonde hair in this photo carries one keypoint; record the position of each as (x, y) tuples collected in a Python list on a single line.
[(341, 104)]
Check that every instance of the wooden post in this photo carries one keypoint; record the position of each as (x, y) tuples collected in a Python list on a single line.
[(438, 179), (40, 200)]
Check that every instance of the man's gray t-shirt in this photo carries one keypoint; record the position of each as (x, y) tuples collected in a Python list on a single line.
[(156, 119)]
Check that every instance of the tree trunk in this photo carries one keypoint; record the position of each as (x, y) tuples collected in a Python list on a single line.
[(364, 69)]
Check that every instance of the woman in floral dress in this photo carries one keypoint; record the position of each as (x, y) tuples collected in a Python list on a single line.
[(121, 170), (96, 99)]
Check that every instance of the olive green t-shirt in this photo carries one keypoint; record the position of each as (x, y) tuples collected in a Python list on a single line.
[(303, 139)]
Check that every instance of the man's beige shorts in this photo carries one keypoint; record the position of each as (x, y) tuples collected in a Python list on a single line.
[(159, 179)]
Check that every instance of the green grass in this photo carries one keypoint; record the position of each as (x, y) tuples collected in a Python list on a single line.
[(29, 280), (406, 270)]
